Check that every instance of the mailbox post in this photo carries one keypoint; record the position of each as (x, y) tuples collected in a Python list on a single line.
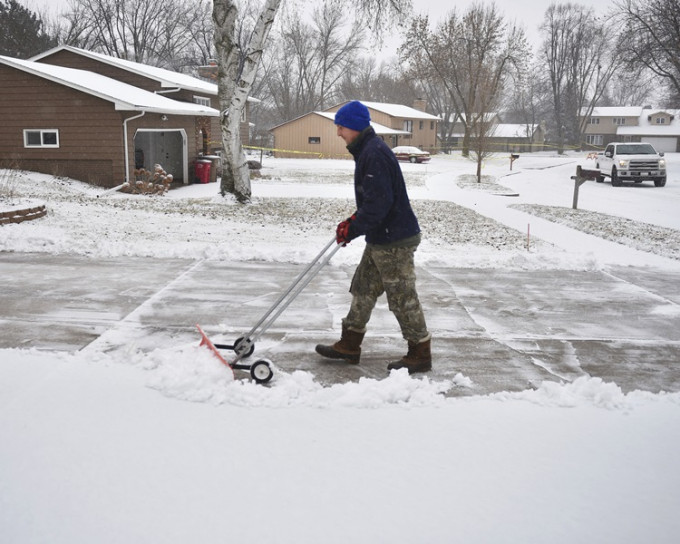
[(580, 178)]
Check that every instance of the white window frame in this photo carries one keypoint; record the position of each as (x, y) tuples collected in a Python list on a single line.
[(43, 132), (202, 101), (594, 121), (619, 121), (594, 139)]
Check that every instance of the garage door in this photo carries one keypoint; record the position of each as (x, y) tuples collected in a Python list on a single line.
[(665, 145), (164, 147)]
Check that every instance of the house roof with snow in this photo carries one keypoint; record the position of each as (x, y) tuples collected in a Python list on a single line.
[(509, 130), (506, 130), (647, 125), (166, 78), (380, 130), (614, 111), (124, 97), (399, 110)]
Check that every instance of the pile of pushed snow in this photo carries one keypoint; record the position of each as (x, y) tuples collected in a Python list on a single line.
[(193, 373), (587, 391)]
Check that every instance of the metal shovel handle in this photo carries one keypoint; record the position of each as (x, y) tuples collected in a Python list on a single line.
[(290, 294)]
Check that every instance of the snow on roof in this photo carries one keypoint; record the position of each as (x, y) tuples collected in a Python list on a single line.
[(167, 78), (125, 97), (650, 130), (509, 130), (615, 111), (399, 110), (647, 125), (381, 130)]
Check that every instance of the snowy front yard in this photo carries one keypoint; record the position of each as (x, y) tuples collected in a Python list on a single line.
[(95, 447)]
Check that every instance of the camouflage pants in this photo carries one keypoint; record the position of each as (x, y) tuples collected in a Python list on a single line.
[(389, 271)]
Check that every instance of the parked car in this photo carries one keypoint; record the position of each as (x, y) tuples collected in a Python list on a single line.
[(411, 154)]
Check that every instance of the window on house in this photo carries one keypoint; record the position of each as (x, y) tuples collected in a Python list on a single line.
[(594, 139), (660, 120), (594, 120), (41, 138), (619, 120), (431, 125), (314, 140), (421, 124), (408, 125), (202, 100)]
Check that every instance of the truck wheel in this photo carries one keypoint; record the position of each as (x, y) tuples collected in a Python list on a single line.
[(616, 182), (660, 182)]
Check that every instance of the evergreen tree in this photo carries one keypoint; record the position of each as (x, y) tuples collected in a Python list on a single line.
[(22, 33)]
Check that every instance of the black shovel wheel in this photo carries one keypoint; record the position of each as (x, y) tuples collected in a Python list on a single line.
[(261, 372), (238, 343)]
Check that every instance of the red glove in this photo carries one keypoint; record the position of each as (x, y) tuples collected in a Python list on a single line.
[(342, 235)]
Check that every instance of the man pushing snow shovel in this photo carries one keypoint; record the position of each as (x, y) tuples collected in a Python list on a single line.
[(385, 217)]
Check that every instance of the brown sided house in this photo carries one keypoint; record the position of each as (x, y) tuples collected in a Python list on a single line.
[(95, 118), (413, 125), (315, 134)]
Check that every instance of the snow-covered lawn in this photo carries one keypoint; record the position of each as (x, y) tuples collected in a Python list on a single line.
[(96, 448)]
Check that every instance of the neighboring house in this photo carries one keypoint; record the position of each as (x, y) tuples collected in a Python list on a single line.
[(517, 138), (420, 127), (510, 137), (95, 118), (315, 134), (661, 128)]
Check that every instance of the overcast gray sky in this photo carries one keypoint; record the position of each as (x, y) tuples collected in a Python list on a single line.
[(529, 13)]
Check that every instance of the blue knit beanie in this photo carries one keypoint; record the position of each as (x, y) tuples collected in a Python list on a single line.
[(353, 115)]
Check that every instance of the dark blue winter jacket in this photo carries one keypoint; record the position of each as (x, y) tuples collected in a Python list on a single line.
[(384, 212)]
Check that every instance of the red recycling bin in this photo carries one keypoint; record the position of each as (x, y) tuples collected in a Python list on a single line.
[(202, 171)]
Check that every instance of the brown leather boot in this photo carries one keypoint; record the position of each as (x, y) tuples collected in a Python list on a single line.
[(418, 358), (347, 348)]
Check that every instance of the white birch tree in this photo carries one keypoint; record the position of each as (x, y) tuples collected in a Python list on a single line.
[(235, 77), (237, 69)]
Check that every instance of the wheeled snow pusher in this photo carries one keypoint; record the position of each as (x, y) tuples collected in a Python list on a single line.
[(243, 347)]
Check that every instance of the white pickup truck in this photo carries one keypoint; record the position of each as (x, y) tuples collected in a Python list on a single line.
[(631, 161)]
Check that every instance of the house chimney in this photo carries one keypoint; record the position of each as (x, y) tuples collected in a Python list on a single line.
[(420, 104), (208, 71)]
